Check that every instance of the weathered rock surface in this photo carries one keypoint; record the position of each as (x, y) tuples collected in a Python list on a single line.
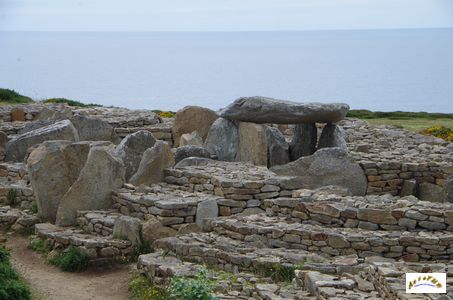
[(93, 129), (190, 151), (206, 209), (17, 114), (328, 166), (253, 143), (102, 172), (153, 163), (278, 148), (52, 114), (193, 118), (30, 126), (128, 228), (304, 141), (332, 136), (194, 161), (430, 192), (193, 138), (153, 230), (53, 167), (3, 139), (132, 148), (16, 149), (223, 140), (269, 110)]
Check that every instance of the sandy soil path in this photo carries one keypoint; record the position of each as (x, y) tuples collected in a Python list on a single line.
[(49, 283)]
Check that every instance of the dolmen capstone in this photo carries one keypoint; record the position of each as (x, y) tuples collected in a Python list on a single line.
[(244, 132)]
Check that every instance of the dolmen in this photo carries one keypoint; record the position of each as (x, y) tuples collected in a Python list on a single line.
[(245, 132)]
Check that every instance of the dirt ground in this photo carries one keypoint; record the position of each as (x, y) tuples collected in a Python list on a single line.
[(49, 283)]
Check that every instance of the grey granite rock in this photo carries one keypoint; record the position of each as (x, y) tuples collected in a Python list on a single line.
[(268, 110)]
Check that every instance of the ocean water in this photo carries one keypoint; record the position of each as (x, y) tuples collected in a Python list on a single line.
[(385, 70)]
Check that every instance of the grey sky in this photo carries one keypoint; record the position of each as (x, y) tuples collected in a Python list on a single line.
[(222, 15)]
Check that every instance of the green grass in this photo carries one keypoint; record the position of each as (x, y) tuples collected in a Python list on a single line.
[(12, 286), (12, 97), (412, 121), (11, 197), (415, 125), (39, 245), (72, 260), (70, 102)]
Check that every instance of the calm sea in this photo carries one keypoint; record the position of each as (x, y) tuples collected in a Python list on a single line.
[(386, 70)]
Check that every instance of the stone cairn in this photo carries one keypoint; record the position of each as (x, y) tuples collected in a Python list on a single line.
[(339, 214)]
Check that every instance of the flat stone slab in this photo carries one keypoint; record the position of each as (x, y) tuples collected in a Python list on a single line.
[(269, 110)]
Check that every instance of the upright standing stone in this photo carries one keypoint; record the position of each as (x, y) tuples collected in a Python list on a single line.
[(153, 163), (16, 148), (205, 210), (193, 118), (278, 148), (328, 166), (53, 167), (103, 172), (93, 129), (223, 140), (253, 143), (129, 228), (332, 136), (132, 148), (304, 140), (193, 139)]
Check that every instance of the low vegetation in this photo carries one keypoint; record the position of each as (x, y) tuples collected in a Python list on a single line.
[(70, 102), (12, 287), (164, 114), (71, 260), (11, 197), (396, 115), (440, 132), (12, 97), (39, 245), (180, 288), (142, 248)]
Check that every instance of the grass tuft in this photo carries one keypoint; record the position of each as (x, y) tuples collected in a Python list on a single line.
[(73, 260), (70, 102), (12, 287)]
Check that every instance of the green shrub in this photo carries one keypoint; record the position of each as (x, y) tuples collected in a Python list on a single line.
[(70, 102), (278, 272), (141, 289), (11, 197), (197, 288), (12, 287), (39, 245), (72, 260), (439, 132), (11, 96), (34, 208), (395, 115)]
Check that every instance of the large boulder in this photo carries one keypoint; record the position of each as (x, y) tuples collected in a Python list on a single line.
[(193, 118), (103, 172), (93, 129), (223, 140), (304, 140), (277, 147), (53, 167), (430, 192), (253, 143), (132, 148), (327, 166), (153, 230), (269, 110), (193, 138), (332, 136), (16, 148), (191, 151), (30, 126), (152, 165)]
